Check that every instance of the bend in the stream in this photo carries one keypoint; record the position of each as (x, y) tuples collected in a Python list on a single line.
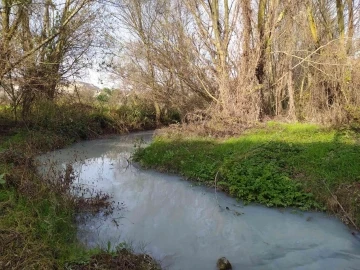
[(188, 227)]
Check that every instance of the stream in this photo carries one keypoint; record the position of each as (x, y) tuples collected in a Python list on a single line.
[(186, 226)]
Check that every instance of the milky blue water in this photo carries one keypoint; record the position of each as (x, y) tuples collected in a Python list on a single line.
[(189, 227)]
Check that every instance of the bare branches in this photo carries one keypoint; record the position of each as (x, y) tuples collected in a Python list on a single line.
[(66, 21), (42, 42), (249, 61)]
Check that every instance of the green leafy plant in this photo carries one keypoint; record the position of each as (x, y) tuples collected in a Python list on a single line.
[(282, 165)]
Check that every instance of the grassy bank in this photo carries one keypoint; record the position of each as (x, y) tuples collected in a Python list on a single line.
[(283, 165), (37, 215)]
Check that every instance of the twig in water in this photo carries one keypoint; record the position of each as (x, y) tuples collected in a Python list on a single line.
[(128, 163), (215, 188), (97, 134)]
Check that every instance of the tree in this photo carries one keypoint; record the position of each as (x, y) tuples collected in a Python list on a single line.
[(40, 44), (241, 59)]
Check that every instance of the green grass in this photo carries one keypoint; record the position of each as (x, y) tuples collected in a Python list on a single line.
[(37, 223), (284, 165), (37, 220), (45, 228)]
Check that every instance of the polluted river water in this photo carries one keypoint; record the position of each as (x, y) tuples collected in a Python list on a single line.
[(185, 226)]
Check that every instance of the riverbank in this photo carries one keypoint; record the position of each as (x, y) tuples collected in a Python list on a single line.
[(37, 215), (279, 165)]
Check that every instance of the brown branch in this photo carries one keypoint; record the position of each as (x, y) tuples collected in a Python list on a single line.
[(11, 66)]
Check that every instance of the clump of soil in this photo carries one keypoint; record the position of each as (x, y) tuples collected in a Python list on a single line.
[(223, 264)]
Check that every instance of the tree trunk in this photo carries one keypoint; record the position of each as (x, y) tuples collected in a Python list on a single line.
[(157, 114), (350, 33), (247, 32), (290, 85), (260, 68), (340, 17)]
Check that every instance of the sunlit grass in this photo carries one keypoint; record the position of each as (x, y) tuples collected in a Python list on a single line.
[(278, 165)]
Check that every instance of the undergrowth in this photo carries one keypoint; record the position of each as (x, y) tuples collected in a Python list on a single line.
[(120, 258), (37, 224), (37, 215), (284, 165)]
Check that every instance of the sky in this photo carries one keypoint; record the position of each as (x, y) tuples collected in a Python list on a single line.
[(99, 79)]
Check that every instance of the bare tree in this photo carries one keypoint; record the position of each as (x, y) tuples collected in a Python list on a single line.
[(46, 41), (243, 59)]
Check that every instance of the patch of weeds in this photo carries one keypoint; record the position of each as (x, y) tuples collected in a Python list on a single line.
[(262, 176), (286, 165), (122, 258)]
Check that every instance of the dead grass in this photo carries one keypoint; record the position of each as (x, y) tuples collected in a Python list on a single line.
[(19, 251), (198, 126), (345, 203), (121, 260)]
